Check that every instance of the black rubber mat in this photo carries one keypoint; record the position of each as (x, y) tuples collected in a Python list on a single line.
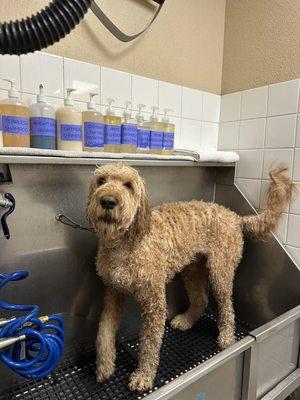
[(75, 379)]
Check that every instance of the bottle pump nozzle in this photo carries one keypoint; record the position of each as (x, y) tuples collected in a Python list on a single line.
[(165, 118), (91, 104), (69, 100), (153, 117), (12, 92), (127, 113), (109, 110), (41, 96), (139, 115)]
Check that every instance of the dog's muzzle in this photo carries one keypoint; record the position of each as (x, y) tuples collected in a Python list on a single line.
[(108, 202)]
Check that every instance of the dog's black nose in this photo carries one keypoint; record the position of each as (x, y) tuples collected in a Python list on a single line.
[(108, 202)]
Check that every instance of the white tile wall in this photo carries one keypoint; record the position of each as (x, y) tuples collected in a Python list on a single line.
[(144, 91), (9, 69), (211, 107), (190, 133), (115, 84), (169, 96), (192, 103), (209, 134), (264, 128)]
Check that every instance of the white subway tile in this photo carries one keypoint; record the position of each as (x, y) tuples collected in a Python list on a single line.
[(250, 164), (84, 77), (211, 107), (192, 103), (115, 84), (42, 68), (283, 98), (274, 157), (228, 135), (9, 69), (295, 205), (252, 133), (295, 254), (254, 103), (209, 135), (280, 131), (293, 235), (144, 91), (231, 107), (298, 132), (251, 189), (190, 134), (296, 174), (170, 97), (281, 230), (3, 94)]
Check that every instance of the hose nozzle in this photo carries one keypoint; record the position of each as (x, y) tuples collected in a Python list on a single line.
[(8, 342)]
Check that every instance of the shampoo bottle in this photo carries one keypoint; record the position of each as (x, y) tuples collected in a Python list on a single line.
[(143, 134), (156, 133), (112, 133), (169, 129), (15, 119), (128, 131), (1, 136), (93, 127), (42, 123), (69, 125)]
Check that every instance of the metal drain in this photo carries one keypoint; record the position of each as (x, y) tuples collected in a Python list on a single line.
[(75, 379)]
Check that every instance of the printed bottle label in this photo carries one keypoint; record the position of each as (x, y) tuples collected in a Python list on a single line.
[(112, 134), (93, 134), (168, 143), (129, 134), (156, 140), (71, 132), (15, 125), (143, 139), (42, 126)]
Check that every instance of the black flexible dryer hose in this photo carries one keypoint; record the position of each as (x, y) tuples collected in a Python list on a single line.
[(43, 29)]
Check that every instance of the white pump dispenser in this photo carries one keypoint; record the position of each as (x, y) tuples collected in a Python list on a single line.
[(42, 123), (15, 119), (69, 125), (128, 131), (93, 127)]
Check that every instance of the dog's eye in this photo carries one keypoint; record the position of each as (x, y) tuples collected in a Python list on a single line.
[(128, 185), (101, 181)]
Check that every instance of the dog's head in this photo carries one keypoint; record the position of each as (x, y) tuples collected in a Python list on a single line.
[(118, 203)]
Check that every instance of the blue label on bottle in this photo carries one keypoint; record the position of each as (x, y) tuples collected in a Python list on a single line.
[(156, 140), (15, 125), (143, 138), (42, 126), (93, 134), (168, 142), (112, 134), (71, 132), (129, 134)]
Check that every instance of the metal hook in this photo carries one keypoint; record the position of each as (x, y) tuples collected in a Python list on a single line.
[(69, 222), (11, 204)]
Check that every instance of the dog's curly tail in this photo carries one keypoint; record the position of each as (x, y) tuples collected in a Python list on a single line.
[(280, 193)]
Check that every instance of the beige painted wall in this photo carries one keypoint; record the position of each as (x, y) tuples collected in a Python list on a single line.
[(262, 43), (184, 46)]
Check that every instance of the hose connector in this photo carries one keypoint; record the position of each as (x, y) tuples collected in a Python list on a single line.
[(5, 343), (5, 321)]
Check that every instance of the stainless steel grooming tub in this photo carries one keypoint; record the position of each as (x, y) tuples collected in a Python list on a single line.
[(262, 364)]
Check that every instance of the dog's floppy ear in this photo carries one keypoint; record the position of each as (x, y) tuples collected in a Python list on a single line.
[(141, 225), (93, 186)]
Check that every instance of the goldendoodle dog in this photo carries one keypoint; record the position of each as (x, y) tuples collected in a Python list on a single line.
[(141, 249)]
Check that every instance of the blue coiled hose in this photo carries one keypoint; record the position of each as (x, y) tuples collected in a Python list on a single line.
[(44, 341)]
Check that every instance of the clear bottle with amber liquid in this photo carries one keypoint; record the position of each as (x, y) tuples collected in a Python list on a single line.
[(156, 133), (15, 119), (112, 130), (169, 131)]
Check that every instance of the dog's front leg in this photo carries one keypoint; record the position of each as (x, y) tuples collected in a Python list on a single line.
[(106, 336), (153, 307)]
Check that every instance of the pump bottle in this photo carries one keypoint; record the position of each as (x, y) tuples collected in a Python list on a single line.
[(169, 130), (69, 125), (93, 127), (143, 134), (156, 133), (15, 119), (128, 131), (42, 123), (112, 133)]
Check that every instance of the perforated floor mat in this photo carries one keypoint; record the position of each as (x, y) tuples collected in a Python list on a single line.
[(75, 379)]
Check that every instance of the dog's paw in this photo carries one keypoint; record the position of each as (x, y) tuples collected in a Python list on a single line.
[(140, 381), (182, 322), (104, 372), (225, 340)]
